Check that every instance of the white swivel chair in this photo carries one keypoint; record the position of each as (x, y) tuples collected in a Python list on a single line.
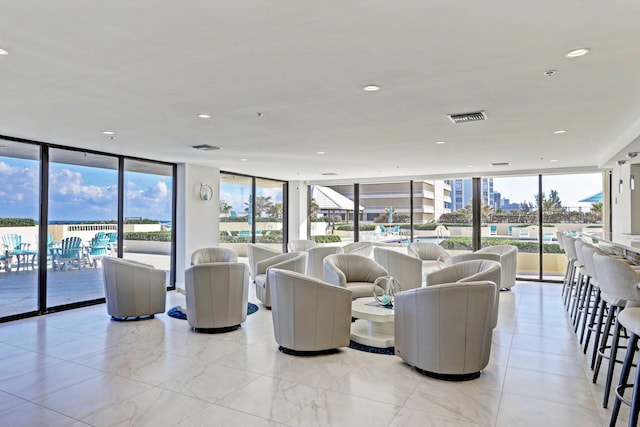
[(506, 255), (315, 266), (257, 253), (217, 295), (431, 255), (445, 330), (293, 261), (354, 272), (470, 271), (309, 315), (358, 248), (133, 289), (209, 255), (301, 245), (406, 269)]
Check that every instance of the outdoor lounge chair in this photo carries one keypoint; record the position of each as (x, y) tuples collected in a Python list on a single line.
[(69, 251), (15, 247), (99, 248)]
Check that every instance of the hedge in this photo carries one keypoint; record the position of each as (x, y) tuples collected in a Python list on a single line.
[(153, 236), (326, 238), (525, 246), (17, 222), (349, 227)]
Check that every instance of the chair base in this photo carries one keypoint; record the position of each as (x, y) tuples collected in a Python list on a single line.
[(216, 330), (291, 352), (449, 377), (505, 289), (132, 318)]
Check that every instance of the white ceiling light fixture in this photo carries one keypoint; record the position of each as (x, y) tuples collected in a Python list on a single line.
[(559, 131), (371, 88), (576, 53), (553, 161), (243, 160), (441, 142), (204, 116), (321, 152), (4, 52), (550, 73), (500, 164), (108, 132)]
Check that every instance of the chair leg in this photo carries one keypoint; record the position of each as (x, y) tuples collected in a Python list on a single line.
[(585, 309), (592, 321), (603, 343), (598, 329), (612, 359), (635, 401), (624, 376)]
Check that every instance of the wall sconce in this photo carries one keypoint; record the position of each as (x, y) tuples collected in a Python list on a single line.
[(632, 182), (621, 183), (206, 192)]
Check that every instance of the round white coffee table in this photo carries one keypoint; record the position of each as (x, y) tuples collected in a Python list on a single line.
[(374, 326)]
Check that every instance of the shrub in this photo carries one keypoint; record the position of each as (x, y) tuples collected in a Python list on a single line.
[(135, 221), (327, 238), (349, 227), (153, 236), (525, 246), (17, 222)]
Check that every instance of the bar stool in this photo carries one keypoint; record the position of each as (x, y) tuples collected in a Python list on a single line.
[(582, 283), (630, 319), (594, 291), (570, 251), (619, 286)]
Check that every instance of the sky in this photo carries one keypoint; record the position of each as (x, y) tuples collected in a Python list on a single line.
[(570, 188), (236, 195), (79, 193)]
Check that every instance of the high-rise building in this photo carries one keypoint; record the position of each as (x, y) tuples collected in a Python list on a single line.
[(461, 193)]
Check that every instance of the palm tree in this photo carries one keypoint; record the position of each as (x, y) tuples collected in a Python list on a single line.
[(225, 208)]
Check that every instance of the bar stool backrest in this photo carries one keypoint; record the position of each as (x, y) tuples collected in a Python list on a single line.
[(617, 278), (587, 255)]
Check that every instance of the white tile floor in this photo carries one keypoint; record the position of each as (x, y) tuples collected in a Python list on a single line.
[(79, 368)]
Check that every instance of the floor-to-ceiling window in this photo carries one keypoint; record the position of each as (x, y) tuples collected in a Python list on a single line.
[(331, 213), (148, 213), (246, 216), (19, 227), (268, 212), (83, 208), (386, 212), (85, 197)]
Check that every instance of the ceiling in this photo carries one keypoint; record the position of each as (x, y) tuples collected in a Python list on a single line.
[(284, 80)]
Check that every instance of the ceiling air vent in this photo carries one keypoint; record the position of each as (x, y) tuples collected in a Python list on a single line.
[(205, 147), (468, 117), (500, 164), (329, 173)]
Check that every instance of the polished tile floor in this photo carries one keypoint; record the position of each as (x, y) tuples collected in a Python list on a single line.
[(78, 368)]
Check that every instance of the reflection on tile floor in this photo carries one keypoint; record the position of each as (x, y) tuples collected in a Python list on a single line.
[(78, 368)]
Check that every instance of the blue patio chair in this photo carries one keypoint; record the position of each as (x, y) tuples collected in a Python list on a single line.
[(396, 229), (69, 251), (3, 258), (244, 234), (493, 229), (15, 247), (113, 241), (99, 248), (510, 232)]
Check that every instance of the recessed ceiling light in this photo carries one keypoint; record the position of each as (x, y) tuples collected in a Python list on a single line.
[(204, 116), (469, 166), (321, 152), (553, 161), (577, 52), (108, 132), (243, 160), (559, 131), (550, 73), (441, 142), (371, 88), (4, 51)]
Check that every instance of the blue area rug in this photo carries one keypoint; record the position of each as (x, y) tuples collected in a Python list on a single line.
[(177, 312), (356, 346)]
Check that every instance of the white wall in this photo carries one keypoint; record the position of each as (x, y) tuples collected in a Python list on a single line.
[(197, 224), (297, 210)]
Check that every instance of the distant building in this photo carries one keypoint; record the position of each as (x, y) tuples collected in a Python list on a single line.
[(430, 199), (461, 193)]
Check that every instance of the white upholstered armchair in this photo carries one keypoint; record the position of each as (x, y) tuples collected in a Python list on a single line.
[(506, 255), (431, 254), (301, 245), (445, 330), (217, 295), (309, 315), (133, 289), (209, 255), (354, 272), (406, 269), (257, 253), (315, 262), (470, 271), (293, 261)]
